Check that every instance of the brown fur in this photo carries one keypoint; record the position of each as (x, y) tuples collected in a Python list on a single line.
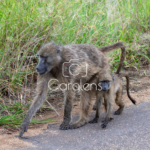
[(90, 55), (109, 48), (114, 93)]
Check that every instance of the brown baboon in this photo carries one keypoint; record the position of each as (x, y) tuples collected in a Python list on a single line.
[(69, 64), (123, 52), (110, 90)]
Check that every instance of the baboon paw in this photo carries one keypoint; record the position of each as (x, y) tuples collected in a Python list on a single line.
[(117, 112), (104, 125), (110, 119), (64, 126), (24, 128), (94, 121)]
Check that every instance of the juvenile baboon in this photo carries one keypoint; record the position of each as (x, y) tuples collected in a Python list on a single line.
[(69, 64), (111, 89), (123, 52)]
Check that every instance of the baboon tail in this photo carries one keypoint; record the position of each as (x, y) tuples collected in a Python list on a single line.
[(127, 88), (113, 47)]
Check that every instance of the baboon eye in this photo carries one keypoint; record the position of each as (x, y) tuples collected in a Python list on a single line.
[(105, 81)]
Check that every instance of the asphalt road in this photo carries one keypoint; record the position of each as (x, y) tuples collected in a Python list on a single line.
[(129, 131)]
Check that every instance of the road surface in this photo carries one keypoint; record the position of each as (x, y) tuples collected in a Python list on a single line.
[(129, 131)]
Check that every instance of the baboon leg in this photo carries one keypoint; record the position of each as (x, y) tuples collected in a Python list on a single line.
[(41, 90), (105, 105), (35, 106), (69, 95), (98, 105), (108, 112), (119, 102), (95, 105), (85, 103)]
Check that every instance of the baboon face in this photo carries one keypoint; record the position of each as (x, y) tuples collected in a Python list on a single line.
[(105, 81), (49, 58), (105, 85)]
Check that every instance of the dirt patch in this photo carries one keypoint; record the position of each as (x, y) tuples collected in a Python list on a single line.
[(10, 142)]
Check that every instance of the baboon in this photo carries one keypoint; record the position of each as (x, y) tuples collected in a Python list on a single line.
[(69, 64), (106, 49), (111, 89)]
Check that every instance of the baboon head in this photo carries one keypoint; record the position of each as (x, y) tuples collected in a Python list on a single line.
[(105, 81), (105, 85), (49, 58)]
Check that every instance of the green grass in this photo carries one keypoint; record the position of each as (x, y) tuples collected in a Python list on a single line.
[(26, 25), (15, 115)]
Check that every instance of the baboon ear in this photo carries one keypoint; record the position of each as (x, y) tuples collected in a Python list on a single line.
[(58, 49)]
